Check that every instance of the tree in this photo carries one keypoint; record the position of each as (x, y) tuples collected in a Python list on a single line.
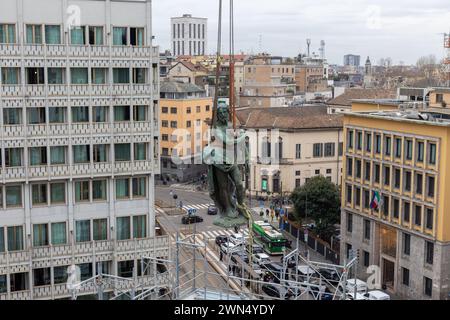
[(318, 199)]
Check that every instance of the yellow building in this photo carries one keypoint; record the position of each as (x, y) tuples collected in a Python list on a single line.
[(184, 132), (440, 98), (400, 156)]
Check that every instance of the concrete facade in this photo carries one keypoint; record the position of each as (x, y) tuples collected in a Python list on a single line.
[(189, 36)]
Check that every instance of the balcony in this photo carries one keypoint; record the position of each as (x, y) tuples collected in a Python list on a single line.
[(11, 90)]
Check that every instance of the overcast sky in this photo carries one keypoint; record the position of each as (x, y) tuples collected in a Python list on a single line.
[(401, 29)]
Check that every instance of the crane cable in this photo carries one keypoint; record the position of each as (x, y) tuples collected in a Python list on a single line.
[(218, 61)]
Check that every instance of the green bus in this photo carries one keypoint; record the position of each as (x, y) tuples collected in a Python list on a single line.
[(269, 238)]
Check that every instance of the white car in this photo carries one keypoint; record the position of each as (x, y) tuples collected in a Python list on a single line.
[(261, 258), (359, 296), (361, 286), (227, 247), (377, 295), (237, 238)]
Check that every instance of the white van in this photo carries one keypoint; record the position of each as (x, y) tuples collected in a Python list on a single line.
[(377, 295), (361, 286), (237, 238)]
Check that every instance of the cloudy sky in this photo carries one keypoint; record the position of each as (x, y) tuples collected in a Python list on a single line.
[(401, 29)]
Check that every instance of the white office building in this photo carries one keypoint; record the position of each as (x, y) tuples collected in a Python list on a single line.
[(79, 92), (189, 36)]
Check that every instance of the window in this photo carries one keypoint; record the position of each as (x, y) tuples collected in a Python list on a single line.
[(329, 171), (349, 167), (59, 234), (83, 231), (387, 146), (82, 191), (41, 277), (367, 170), (98, 75), (317, 172), (349, 222), (40, 235), (15, 238), (386, 206), (11, 76), (57, 155), (396, 208), (33, 34), (12, 116), (188, 110), (348, 249), (81, 154), (122, 188), (359, 140), (120, 36), (397, 176), (405, 277), (121, 75), (318, 150), (57, 193), (432, 153), (122, 152), (80, 114), (349, 194), (78, 35), (366, 199), (298, 151), (139, 227), (100, 229), (39, 194), (55, 75), (357, 196), (173, 124), (140, 151), (13, 196), (96, 36), (139, 113), (52, 34), (428, 286), (137, 36), (430, 186), (366, 259), (377, 144), (99, 190), (38, 156), (139, 187), (100, 153), (340, 149), (358, 168), (429, 252), (368, 142), (419, 151), (429, 219), (121, 113), (166, 110), (330, 149), (387, 176), (398, 147), (85, 270), (164, 137), (36, 115), (406, 211), (367, 229), (139, 75), (60, 274), (350, 139), (409, 149), (123, 228), (406, 244), (198, 109), (125, 269), (207, 108), (188, 124), (13, 157), (79, 75), (56, 115), (419, 183), (418, 215), (2, 249), (407, 181), (7, 33)]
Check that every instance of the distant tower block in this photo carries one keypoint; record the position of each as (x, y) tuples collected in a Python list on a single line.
[(368, 73), (308, 43), (322, 49)]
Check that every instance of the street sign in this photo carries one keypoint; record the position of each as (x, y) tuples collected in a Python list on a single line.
[(192, 211)]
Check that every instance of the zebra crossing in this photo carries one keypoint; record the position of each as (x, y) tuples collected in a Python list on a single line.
[(159, 210), (197, 206), (214, 233)]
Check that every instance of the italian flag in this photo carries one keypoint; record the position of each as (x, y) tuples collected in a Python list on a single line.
[(376, 201)]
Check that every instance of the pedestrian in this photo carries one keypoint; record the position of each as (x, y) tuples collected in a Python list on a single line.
[(221, 255), (267, 213), (261, 213), (271, 217)]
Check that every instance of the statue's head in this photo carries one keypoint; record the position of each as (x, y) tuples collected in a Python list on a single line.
[(223, 112)]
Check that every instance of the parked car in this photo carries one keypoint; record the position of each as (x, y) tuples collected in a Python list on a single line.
[(275, 292), (189, 219), (220, 239), (361, 286), (261, 258), (359, 296), (330, 275), (212, 211), (377, 295), (237, 238), (304, 273), (291, 263), (275, 269), (242, 255), (256, 248)]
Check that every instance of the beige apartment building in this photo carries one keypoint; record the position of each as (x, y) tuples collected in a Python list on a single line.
[(301, 142), (310, 78)]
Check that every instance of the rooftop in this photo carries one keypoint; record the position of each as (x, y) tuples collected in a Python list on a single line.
[(350, 94), (289, 118), (179, 87)]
